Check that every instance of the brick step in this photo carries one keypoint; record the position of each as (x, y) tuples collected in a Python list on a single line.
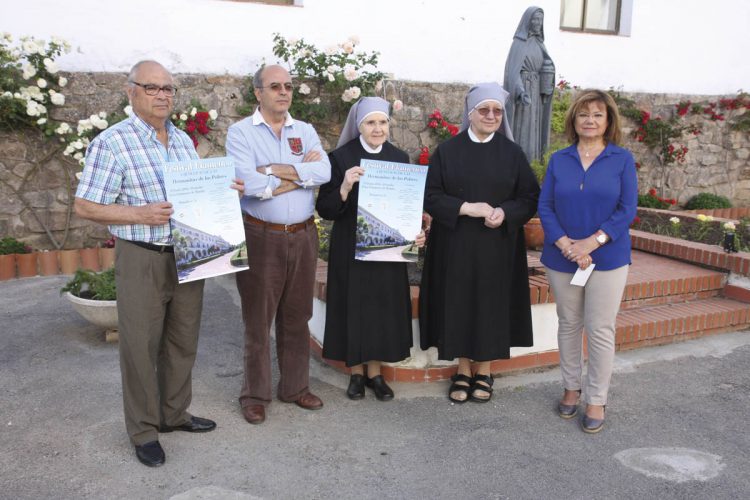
[(679, 321)]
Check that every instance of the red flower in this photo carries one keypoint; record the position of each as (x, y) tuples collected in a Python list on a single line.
[(645, 117), (652, 192), (190, 126), (432, 124), (637, 166), (195, 141), (436, 115), (202, 116), (203, 128), (424, 156), (636, 221), (452, 129)]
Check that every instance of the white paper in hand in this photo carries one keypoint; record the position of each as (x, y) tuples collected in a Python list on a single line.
[(581, 277)]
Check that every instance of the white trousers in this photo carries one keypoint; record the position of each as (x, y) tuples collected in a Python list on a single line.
[(593, 307)]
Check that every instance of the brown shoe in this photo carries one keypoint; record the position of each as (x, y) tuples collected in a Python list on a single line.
[(254, 414), (310, 401)]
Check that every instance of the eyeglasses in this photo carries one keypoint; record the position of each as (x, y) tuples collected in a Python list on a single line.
[(486, 111), (276, 86), (153, 90)]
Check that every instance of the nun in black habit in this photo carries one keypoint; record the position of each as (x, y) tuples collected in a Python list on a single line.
[(368, 305), (474, 300)]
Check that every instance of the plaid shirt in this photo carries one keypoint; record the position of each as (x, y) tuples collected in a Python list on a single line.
[(124, 165)]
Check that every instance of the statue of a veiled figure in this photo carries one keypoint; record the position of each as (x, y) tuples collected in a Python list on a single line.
[(530, 79)]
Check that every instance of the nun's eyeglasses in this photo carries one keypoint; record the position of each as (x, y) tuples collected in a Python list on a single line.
[(276, 86), (486, 111)]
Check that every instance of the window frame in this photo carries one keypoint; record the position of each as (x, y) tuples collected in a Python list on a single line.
[(583, 29)]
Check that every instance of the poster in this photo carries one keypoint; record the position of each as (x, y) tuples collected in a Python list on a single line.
[(207, 228), (389, 213)]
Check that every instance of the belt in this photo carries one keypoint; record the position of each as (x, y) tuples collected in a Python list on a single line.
[(155, 248), (286, 228)]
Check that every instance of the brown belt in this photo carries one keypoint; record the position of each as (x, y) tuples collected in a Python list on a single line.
[(286, 228)]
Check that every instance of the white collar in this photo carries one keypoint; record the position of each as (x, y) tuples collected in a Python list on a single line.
[(258, 118), (369, 148), (474, 137)]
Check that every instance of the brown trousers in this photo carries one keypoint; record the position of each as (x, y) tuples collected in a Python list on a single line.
[(280, 283), (159, 321)]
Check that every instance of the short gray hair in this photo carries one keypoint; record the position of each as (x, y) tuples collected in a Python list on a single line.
[(137, 66), (258, 78)]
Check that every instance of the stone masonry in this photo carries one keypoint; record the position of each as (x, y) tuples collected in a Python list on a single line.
[(37, 183)]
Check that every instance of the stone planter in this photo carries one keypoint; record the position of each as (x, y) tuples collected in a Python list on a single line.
[(90, 259), (534, 234), (102, 313), (27, 264), (7, 267), (49, 264), (70, 261)]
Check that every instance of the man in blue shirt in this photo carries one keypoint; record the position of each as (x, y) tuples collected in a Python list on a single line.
[(280, 161), (123, 186)]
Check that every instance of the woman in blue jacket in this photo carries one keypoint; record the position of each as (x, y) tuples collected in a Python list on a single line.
[(587, 203)]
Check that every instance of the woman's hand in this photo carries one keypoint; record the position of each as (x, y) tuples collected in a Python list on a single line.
[(239, 186), (420, 239), (580, 248), (496, 219), (479, 209), (350, 178), (584, 262)]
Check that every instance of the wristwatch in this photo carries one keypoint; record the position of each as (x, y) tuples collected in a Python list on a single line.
[(602, 238), (269, 170)]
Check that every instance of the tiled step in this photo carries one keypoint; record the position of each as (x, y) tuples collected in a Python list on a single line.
[(679, 321)]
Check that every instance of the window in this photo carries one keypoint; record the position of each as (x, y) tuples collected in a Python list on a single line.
[(298, 3), (596, 16)]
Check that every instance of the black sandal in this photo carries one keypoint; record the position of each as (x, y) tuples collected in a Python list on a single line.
[(460, 388), (475, 386)]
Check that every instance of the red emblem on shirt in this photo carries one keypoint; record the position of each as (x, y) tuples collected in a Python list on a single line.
[(295, 144)]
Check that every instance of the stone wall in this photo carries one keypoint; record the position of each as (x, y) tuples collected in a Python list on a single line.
[(35, 195)]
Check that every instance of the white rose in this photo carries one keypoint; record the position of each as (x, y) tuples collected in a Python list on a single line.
[(183, 117), (398, 105), (62, 129), (77, 144), (304, 89), (101, 124), (193, 111), (128, 110), (68, 150), (57, 98), (29, 47), (41, 121), (293, 41), (331, 50), (354, 39), (350, 73), (7, 94), (316, 100), (347, 95), (331, 69), (102, 114), (729, 226), (78, 156), (213, 114), (307, 53), (174, 116), (348, 47), (331, 77), (79, 175), (29, 71), (41, 83), (50, 66), (356, 92), (62, 81), (674, 220)]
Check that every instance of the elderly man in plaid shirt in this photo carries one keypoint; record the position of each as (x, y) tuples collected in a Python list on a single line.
[(159, 319)]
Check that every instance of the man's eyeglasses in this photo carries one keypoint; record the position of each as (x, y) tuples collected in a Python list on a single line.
[(153, 90), (276, 86), (486, 111)]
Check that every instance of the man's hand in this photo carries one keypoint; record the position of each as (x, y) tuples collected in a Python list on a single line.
[(285, 187), (496, 219), (155, 214)]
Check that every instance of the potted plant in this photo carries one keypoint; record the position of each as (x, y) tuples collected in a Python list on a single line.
[(10, 250), (94, 296)]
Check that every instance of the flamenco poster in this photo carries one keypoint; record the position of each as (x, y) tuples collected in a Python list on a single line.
[(207, 229), (389, 212)]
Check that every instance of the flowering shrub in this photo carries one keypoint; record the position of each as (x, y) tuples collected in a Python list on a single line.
[(339, 70), (653, 200), (195, 121), (440, 127), (424, 156)]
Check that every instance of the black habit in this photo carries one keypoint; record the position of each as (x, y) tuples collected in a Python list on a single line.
[(368, 305), (474, 299)]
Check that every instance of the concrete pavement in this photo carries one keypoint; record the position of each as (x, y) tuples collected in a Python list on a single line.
[(677, 425)]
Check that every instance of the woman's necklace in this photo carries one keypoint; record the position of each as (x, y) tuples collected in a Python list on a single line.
[(587, 153)]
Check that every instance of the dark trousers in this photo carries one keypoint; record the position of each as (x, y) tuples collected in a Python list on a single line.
[(280, 284), (159, 321)]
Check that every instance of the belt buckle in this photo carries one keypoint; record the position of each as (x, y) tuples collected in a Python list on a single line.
[(288, 228)]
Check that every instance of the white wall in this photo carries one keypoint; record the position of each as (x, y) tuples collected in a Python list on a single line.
[(676, 46)]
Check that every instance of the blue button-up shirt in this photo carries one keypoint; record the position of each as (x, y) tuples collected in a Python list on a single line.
[(124, 165), (252, 143), (577, 203)]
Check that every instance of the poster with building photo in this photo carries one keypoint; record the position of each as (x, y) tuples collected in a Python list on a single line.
[(207, 228), (389, 212)]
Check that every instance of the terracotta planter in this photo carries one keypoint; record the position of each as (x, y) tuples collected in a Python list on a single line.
[(49, 264), (27, 264), (90, 259), (70, 261), (107, 258), (7, 267), (534, 234)]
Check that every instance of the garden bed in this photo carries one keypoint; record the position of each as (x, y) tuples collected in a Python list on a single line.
[(696, 225)]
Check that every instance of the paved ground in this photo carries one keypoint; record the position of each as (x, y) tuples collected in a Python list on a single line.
[(677, 425)]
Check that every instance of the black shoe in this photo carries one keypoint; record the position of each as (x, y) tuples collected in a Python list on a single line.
[(380, 388), (196, 424), (356, 389), (151, 454), (568, 411), (592, 425)]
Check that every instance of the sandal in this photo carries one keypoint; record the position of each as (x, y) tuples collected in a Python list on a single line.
[(458, 387), (481, 383), (568, 411)]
